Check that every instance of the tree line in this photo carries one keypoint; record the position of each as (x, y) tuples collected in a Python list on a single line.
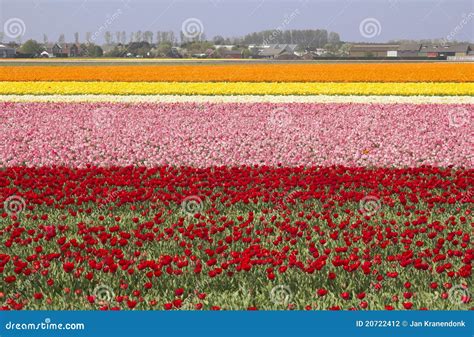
[(308, 38)]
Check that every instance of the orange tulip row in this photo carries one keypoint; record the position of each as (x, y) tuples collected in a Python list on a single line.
[(362, 72)]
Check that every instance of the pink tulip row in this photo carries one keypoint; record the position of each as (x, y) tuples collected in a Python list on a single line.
[(208, 134)]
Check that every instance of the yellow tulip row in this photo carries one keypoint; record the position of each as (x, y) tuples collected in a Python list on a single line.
[(236, 88)]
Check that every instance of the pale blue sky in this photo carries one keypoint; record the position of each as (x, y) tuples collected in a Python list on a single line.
[(399, 19)]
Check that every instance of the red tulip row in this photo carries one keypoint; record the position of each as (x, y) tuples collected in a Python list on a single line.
[(236, 238)]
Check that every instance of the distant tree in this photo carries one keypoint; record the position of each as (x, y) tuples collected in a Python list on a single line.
[(333, 38), (344, 49), (139, 48), (139, 36), (2, 36), (308, 38), (117, 36), (115, 52), (88, 37), (218, 39), (123, 37), (30, 47), (76, 37), (93, 50), (171, 37), (61, 39), (331, 49), (164, 49), (197, 47), (165, 37), (246, 53), (148, 36), (108, 37), (45, 38), (13, 44)]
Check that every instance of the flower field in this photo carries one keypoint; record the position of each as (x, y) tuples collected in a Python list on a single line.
[(237, 187), (362, 72), (233, 134), (237, 88)]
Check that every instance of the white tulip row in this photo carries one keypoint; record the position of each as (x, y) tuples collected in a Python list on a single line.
[(240, 99)]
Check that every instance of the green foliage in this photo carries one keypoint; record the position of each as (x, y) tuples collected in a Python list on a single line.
[(92, 50), (30, 47), (307, 38), (164, 50), (139, 48), (198, 46)]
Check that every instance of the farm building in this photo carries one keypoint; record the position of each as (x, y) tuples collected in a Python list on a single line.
[(7, 52), (444, 50), (409, 50), (373, 50), (62, 50), (275, 51), (230, 54)]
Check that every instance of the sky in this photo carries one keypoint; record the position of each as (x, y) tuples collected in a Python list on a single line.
[(354, 20)]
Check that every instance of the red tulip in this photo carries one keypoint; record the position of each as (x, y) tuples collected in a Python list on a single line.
[(10, 279), (407, 305), (131, 304), (345, 295), (68, 267), (321, 292), (361, 295)]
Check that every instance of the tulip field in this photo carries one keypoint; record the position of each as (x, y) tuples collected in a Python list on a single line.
[(284, 186)]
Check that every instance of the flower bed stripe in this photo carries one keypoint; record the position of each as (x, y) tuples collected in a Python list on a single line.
[(203, 135), (240, 99), (231, 88), (223, 238), (356, 72)]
